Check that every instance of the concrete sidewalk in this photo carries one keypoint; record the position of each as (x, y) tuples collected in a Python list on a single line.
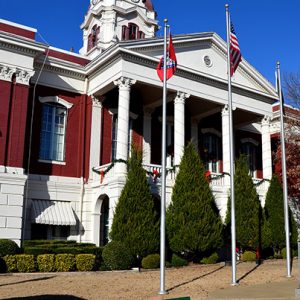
[(274, 290)]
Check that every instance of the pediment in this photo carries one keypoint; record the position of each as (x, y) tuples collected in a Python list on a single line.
[(205, 53)]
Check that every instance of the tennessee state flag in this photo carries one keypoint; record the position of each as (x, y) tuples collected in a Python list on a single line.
[(171, 62)]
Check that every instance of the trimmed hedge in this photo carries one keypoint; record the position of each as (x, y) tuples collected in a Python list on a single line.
[(33, 243), (25, 263), (249, 256), (46, 262), (37, 250), (11, 263), (8, 247), (152, 261), (116, 256), (64, 262), (211, 259), (85, 262), (178, 261)]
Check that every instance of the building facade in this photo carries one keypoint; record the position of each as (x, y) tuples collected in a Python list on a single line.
[(68, 120)]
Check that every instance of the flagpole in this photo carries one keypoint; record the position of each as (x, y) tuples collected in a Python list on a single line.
[(284, 178), (163, 171), (232, 196)]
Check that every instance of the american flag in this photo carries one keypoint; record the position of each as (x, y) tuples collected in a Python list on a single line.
[(235, 53)]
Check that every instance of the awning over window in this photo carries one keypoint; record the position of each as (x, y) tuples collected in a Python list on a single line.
[(52, 212)]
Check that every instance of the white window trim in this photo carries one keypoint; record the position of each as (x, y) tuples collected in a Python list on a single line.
[(212, 131), (255, 143), (67, 105), (53, 162), (56, 99), (250, 140)]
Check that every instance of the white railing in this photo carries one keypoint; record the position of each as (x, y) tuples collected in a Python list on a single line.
[(105, 172)]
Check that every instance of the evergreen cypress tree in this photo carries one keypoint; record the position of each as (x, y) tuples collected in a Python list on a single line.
[(194, 226), (136, 222), (274, 215), (247, 208)]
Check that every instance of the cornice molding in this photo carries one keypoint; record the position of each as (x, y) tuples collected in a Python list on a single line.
[(18, 48), (59, 70)]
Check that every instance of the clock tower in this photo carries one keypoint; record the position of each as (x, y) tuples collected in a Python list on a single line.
[(109, 21)]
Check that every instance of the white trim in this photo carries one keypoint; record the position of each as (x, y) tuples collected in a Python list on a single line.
[(212, 131), (18, 25), (56, 99), (250, 140), (54, 162)]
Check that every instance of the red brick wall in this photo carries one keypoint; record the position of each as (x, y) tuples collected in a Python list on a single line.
[(5, 98), (106, 136), (18, 31), (18, 119), (77, 135)]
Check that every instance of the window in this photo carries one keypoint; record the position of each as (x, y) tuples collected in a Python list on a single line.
[(93, 37), (132, 32), (53, 128), (249, 149), (211, 152), (53, 132), (114, 137)]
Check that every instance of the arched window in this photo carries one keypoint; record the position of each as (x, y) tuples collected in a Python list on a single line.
[(211, 152), (131, 32), (93, 37), (249, 148), (53, 128)]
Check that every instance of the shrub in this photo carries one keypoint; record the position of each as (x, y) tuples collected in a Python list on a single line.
[(274, 214), (136, 221), (25, 263), (2, 265), (64, 262), (85, 262), (177, 261), (211, 259), (248, 210), (32, 243), (116, 256), (193, 207), (37, 250), (11, 263), (249, 256), (67, 250), (8, 247), (152, 261), (46, 262)]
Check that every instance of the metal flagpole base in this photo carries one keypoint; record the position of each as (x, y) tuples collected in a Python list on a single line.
[(163, 293), (234, 284)]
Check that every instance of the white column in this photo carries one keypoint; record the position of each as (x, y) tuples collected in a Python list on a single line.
[(266, 148), (95, 134), (225, 141), (124, 85), (147, 135), (179, 130), (194, 133)]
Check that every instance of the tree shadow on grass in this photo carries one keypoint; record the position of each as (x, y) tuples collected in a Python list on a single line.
[(48, 297), (194, 279), (28, 280)]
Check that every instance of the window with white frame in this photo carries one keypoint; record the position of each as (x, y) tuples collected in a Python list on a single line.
[(114, 137), (53, 129), (211, 152), (249, 148)]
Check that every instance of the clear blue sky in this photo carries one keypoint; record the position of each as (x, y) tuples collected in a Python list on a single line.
[(268, 30)]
